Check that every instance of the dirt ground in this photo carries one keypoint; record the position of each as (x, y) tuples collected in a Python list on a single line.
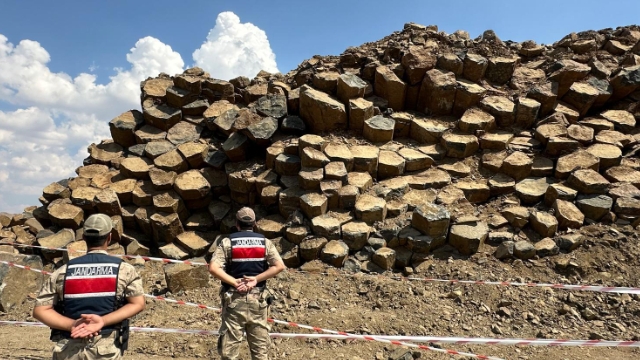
[(378, 304)]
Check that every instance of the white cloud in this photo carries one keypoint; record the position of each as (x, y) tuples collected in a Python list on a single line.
[(56, 116), (233, 48)]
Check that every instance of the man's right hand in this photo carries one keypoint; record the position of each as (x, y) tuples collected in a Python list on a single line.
[(89, 326)]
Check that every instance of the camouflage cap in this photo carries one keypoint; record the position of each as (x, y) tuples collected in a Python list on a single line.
[(246, 215), (98, 224)]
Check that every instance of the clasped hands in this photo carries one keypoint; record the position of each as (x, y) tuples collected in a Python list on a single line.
[(245, 284), (88, 326)]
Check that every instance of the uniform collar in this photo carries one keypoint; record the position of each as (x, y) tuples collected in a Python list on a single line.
[(98, 252)]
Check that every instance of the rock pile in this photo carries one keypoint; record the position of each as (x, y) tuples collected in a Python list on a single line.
[(421, 143)]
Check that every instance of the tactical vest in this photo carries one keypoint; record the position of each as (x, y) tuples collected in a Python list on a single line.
[(90, 287), (248, 256)]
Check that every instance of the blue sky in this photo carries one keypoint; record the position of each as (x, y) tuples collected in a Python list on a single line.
[(59, 87)]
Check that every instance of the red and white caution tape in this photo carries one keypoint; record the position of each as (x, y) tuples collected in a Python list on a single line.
[(276, 335), (180, 302), (145, 258), (430, 339), (288, 323), (596, 288), (12, 264)]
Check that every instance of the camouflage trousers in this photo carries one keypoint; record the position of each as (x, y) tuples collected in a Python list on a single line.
[(244, 313), (98, 348)]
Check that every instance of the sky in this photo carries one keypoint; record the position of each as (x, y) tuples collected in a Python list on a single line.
[(68, 67)]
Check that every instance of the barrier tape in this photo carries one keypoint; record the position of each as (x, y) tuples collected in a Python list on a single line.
[(26, 267), (278, 335), (594, 288), (145, 258), (431, 339), (288, 323)]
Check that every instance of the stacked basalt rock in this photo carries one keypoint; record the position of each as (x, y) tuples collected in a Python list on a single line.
[(420, 143)]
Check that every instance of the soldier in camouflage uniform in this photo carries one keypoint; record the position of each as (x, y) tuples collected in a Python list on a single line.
[(244, 262)]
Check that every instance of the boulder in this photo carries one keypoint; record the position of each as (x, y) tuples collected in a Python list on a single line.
[(437, 92), (587, 181), (165, 227), (184, 277), (274, 106), (262, 131), (475, 119), (389, 86), (162, 180), (340, 153), (474, 191), (162, 116), (191, 185), (501, 108), (474, 67), (580, 133), (271, 226), (184, 132), (16, 284), (326, 226), (171, 161), (59, 240), (524, 250), (385, 258), (500, 69), (390, 164), (370, 209), (627, 206), (505, 250), (320, 111), (622, 120), (559, 191), (569, 242), (335, 170), (135, 167), (66, 215), (365, 158), (581, 96), (124, 126), (192, 243), (609, 155), (623, 174), (518, 216), (360, 110), (517, 165), (468, 95), (568, 215), (378, 129), (431, 219), (467, 237), (496, 140), (543, 223), (311, 246), (194, 153), (546, 247), (84, 196), (313, 204), (415, 160), (236, 146), (501, 184), (577, 160), (459, 145), (416, 61), (335, 253), (594, 207), (531, 190), (326, 81), (310, 178), (355, 234), (287, 165), (350, 87)]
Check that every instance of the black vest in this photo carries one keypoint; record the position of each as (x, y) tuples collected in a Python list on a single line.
[(90, 287), (248, 256)]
